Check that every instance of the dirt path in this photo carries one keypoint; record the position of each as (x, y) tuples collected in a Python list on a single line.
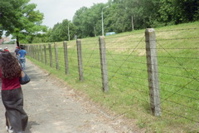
[(52, 107)]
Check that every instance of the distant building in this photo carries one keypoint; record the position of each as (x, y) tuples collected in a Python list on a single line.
[(1, 41), (4, 40)]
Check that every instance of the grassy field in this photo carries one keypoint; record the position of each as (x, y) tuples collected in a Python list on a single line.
[(128, 95)]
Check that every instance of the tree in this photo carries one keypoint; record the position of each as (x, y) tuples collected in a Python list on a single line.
[(79, 21), (186, 11), (60, 31), (88, 20), (21, 20), (118, 18), (166, 12)]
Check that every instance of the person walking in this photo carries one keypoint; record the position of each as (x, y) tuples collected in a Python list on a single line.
[(11, 93), (22, 57), (6, 49), (17, 52)]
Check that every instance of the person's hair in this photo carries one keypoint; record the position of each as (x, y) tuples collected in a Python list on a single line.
[(9, 65)]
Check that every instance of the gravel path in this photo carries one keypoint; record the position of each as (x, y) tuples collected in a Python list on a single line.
[(53, 107)]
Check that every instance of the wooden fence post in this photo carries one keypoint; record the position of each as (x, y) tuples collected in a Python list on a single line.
[(56, 56), (152, 68), (30, 50), (79, 56), (45, 55), (34, 52), (51, 56), (31, 54), (66, 57), (38, 53), (104, 71), (41, 52)]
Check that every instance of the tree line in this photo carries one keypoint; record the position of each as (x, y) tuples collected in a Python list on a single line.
[(117, 15)]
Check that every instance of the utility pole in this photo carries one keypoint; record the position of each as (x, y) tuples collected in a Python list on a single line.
[(94, 32), (68, 32), (132, 22), (103, 21)]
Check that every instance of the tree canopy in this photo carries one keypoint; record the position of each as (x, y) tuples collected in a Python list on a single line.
[(20, 19), (126, 15)]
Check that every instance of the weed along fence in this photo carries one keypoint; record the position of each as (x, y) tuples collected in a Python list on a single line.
[(147, 72)]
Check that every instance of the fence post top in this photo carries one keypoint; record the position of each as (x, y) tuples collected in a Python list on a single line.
[(78, 40), (150, 30), (102, 37)]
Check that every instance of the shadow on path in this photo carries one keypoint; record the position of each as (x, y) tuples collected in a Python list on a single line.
[(30, 124)]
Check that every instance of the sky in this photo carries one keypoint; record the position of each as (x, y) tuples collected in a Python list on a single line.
[(57, 10)]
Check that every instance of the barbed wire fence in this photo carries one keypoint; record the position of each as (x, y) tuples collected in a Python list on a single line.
[(157, 71), (178, 71)]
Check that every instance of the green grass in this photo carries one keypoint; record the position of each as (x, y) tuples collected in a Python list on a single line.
[(128, 95)]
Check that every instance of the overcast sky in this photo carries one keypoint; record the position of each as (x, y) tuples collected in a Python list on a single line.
[(57, 10)]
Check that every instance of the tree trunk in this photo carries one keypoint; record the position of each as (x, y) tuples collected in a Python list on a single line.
[(17, 41), (31, 39)]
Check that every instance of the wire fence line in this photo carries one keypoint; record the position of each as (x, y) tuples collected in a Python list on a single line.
[(179, 75), (156, 70)]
